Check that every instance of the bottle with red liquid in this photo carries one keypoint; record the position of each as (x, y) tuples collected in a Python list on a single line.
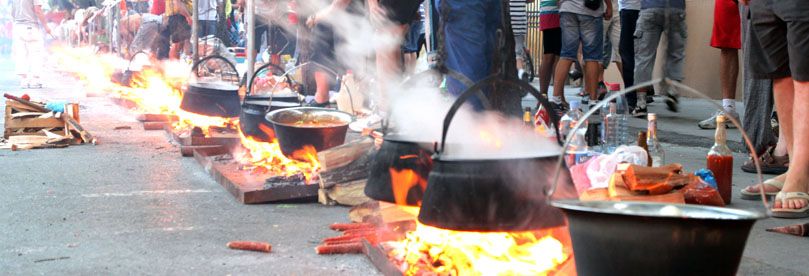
[(720, 160)]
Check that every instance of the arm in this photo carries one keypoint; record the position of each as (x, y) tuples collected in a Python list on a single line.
[(608, 10), (326, 12), (41, 16)]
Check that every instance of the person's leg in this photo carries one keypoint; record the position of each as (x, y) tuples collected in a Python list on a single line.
[(592, 39), (728, 75), (20, 54), (798, 172), (551, 47), (675, 55), (570, 27), (389, 55), (519, 49), (647, 37), (629, 19)]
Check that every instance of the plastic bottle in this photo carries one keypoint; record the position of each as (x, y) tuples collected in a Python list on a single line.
[(569, 120), (655, 148), (720, 161), (611, 129), (577, 151)]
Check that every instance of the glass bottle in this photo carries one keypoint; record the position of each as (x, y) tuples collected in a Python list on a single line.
[(655, 151), (720, 160)]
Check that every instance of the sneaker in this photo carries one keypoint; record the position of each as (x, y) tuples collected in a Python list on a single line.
[(650, 99), (672, 102), (574, 75), (710, 123), (314, 103), (560, 109), (639, 112)]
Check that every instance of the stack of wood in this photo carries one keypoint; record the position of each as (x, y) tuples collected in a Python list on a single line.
[(344, 170), (30, 125)]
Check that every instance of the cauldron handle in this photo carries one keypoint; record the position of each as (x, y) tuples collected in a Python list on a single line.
[(201, 61), (275, 69), (476, 88)]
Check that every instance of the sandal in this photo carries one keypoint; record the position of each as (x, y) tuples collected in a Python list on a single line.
[(770, 164), (746, 194), (787, 212)]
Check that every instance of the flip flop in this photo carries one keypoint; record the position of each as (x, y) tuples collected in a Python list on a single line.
[(748, 195), (791, 213)]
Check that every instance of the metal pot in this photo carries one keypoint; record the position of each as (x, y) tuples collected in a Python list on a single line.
[(253, 120), (210, 95), (492, 194), (638, 238), (399, 171), (297, 127)]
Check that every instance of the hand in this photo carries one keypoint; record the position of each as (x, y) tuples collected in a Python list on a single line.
[(311, 21), (378, 14), (608, 13)]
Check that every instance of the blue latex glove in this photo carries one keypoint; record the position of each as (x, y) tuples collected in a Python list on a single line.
[(707, 176), (56, 106)]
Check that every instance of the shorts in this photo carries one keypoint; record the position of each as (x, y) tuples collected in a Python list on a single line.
[(519, 45), (146, 38), (779, 39), (727, 25), (612, 38), (411, 43), (324, 47), (401, 11), (178, 29), (584, 29), (552, 41)]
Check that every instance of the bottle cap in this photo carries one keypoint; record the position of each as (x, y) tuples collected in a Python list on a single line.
[(720, 119), (652, 116), (575, 104)]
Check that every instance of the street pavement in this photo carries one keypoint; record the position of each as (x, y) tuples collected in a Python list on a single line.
[(132, 205)]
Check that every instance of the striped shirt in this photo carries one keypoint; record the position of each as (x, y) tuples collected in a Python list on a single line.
[(548, 14), (519, 19)]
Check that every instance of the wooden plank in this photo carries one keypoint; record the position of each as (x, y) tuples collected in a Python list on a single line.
[(151, 117), (250, 188), (349, 194), (156, 125), (379, 258), (34, 123), (355, 170)]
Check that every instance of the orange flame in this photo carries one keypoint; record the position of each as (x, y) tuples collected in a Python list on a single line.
[(269, 157), (404, 180), (430, 250)]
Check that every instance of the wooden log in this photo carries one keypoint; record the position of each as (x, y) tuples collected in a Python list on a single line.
[(350, 194), (354, 170), (149, 117), (155, 125), (344, 154)]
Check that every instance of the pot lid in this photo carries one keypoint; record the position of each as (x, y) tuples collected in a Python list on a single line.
[(663, 210)]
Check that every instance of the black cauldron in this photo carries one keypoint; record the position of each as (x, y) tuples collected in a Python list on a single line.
[(213, 90), (253, 118), (298, 127)]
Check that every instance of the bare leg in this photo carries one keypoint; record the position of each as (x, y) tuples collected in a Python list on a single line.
[(322, 86), (785, 100), (729, 72), (410, 63), (546, 71), (560, 77), (591, 70), (798, 173)]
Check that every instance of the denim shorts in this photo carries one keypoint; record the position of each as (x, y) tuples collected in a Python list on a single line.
[(584, 29), (413, 37)]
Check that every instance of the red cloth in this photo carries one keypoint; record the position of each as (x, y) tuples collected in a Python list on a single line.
[(727, 25), (158, 7)]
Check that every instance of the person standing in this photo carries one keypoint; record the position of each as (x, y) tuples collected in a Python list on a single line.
[(780, 30), (551, 44), (612, 38), (178, 30), (411, 46), (581, 23), (655, 18), (629, 10), (28, 43), (208, 16), (519, 25), (727, 37)]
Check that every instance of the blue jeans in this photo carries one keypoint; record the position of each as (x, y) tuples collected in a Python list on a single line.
[(206, 28), (584, 29), (469, 39)]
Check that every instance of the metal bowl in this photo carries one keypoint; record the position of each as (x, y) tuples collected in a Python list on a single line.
[(640, 238), (297, 127)]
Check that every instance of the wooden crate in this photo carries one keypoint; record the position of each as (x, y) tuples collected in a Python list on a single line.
[(33, 125)]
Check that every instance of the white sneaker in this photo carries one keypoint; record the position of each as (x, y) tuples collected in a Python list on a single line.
[(710, 123)]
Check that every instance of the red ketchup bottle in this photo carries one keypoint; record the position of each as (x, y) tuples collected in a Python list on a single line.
[(720, 160)]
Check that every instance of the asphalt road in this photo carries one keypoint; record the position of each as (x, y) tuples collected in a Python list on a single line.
[(131, 205)]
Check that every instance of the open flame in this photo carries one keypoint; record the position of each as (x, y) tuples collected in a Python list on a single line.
[(157, 89), (402, 181), (267, 157), (429, 250)]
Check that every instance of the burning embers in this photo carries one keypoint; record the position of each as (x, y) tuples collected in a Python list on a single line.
[(430, 250), (263, 157)]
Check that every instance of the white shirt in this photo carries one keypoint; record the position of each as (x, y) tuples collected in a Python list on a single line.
[(628, 5)]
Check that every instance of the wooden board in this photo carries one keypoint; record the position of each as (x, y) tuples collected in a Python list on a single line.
[(17, 124), (249, 188), (149, 117), (379, 258)]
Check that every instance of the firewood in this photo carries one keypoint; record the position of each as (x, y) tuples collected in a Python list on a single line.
[(350, 248), (357, 169), (344, 154), (346, 226), (351, 193), (250, 246)]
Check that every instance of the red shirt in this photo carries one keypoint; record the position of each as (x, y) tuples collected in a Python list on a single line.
[(158, 7)]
